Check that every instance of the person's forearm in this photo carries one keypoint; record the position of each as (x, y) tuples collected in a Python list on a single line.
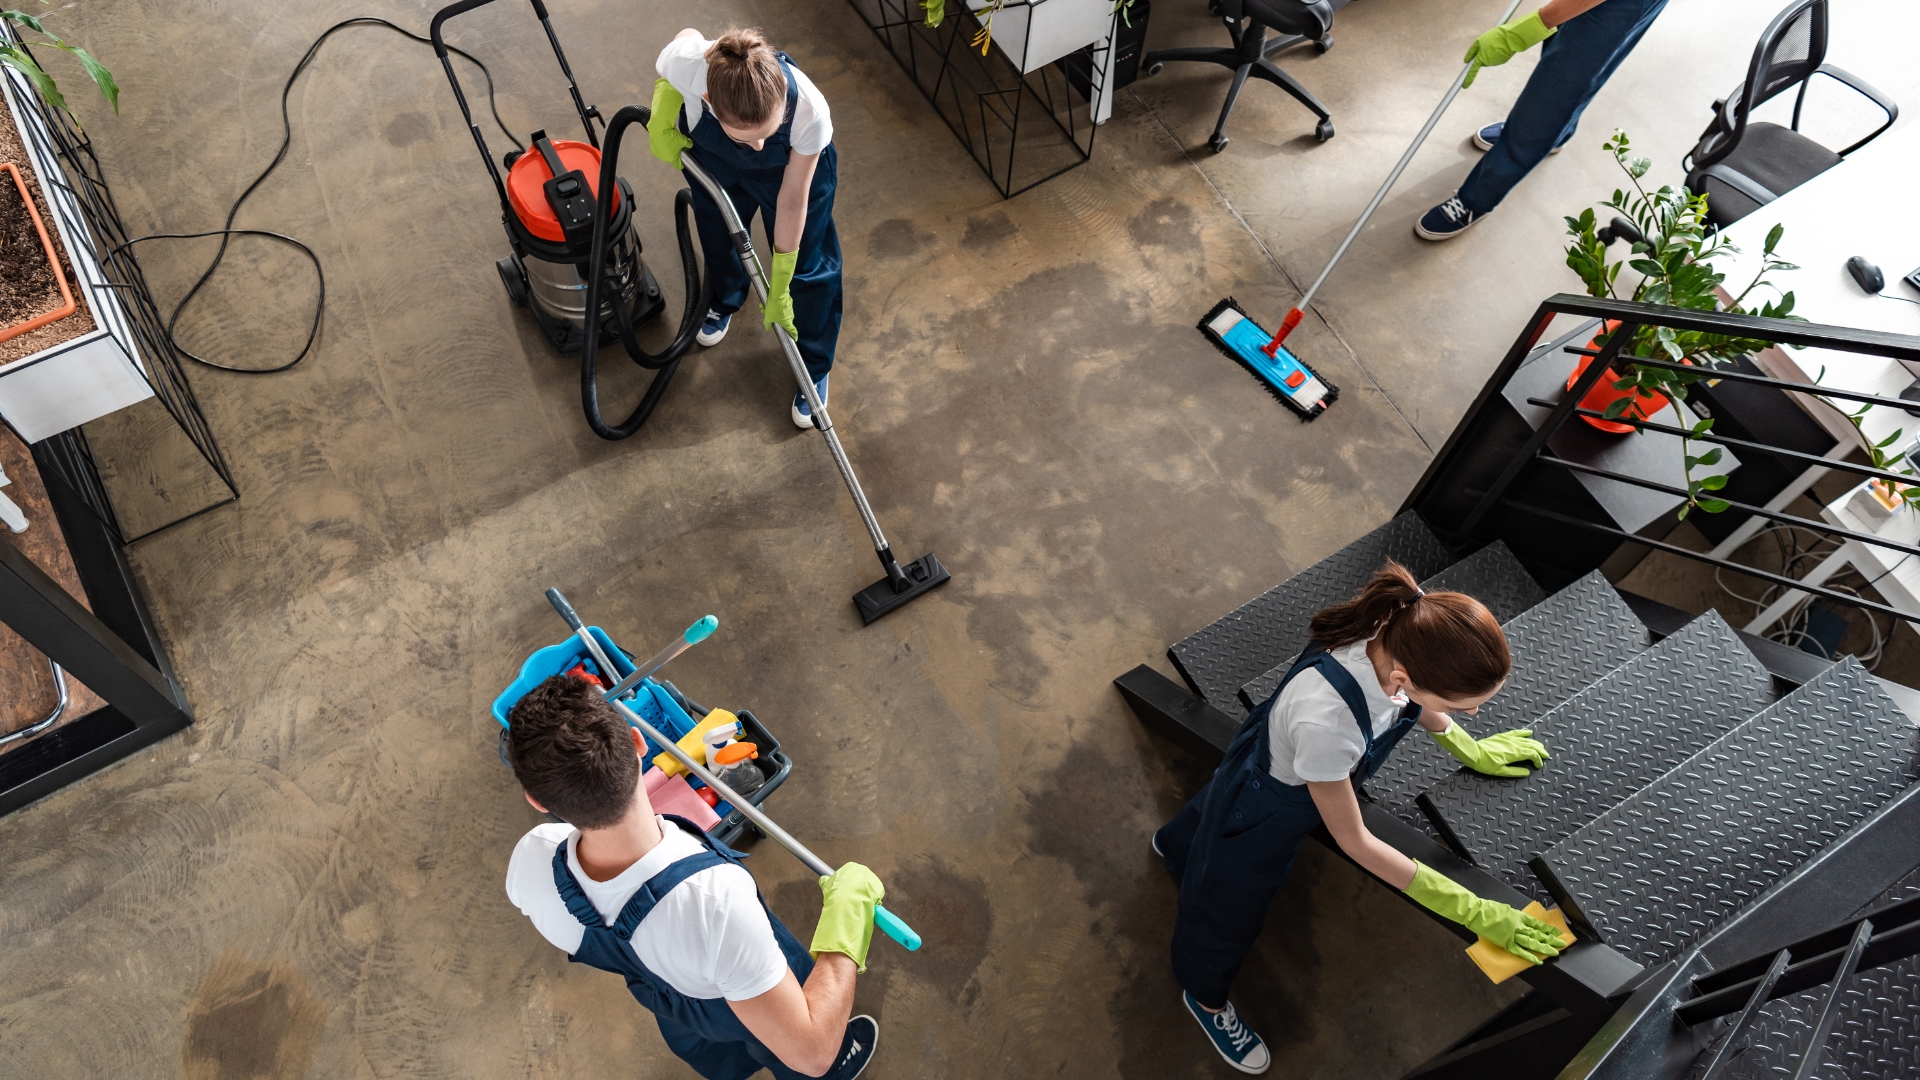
[(1555, 12), (790, 219), (829, 993), (1340, 812)]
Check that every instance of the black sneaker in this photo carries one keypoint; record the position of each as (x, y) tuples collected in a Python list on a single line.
[(1446, 221), (1237, 1043), (856, 1049), (1487, 136)]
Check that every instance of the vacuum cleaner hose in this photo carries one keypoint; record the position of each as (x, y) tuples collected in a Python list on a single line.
[(666, 362)]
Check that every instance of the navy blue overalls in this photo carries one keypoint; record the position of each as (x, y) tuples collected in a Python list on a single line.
[(1232, 845), (703, 1031), (752, 180)]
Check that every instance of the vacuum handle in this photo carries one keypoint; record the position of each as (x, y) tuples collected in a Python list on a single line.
[(896, 928), (694, 635), (559, 601), (461, 7)]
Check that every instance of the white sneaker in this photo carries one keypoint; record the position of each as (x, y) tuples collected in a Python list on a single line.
[(713, 328), (802, 412)]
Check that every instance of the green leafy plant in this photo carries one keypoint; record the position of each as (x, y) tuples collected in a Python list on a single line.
[(1673, 256), (936, 13), (16, 57)]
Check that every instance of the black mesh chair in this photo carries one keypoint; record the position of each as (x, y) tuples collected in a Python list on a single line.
[(1297, 21), (1742, 165)]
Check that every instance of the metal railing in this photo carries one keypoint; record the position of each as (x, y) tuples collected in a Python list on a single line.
[(1466, 505)]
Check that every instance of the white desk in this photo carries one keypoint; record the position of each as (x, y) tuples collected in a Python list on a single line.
[(1866, 205)]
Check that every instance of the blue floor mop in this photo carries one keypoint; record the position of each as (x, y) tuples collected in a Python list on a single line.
[(1234, 332), (886, 921)]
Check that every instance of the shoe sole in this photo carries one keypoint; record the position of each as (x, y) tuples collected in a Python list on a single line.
[(800, 421), (1154, 843), (1425, 235), (705, 340), (871, 1050), (1223, 1054)]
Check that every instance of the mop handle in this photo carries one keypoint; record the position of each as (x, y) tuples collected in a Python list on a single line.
[(1299, 310), (695, 634), (889, 923)]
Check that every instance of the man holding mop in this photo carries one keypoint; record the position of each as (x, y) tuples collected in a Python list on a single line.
[(659, 903)]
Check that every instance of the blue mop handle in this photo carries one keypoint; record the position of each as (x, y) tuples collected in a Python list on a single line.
[(896, 928)]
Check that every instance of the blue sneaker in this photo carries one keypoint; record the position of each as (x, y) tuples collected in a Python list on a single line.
[(856, 1049), (1235, 1040), (1487, 136), (1446, 221), (802, 412), (713, 328)]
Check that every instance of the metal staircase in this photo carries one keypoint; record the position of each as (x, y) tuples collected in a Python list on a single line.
[(1708, 802)]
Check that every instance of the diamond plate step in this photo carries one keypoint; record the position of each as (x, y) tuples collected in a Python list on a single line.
[(1627, 729), (1654, 874), (1492, 575), (1876, 1035), (1222, 656)]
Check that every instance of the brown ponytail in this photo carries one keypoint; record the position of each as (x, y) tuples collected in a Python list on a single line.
[(744, 82), (1448, 643)]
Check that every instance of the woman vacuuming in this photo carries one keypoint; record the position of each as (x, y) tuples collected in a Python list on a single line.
[(1386, 660), (761, 129)]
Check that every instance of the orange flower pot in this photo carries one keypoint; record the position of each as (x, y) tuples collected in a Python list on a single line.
[(1604, 393)]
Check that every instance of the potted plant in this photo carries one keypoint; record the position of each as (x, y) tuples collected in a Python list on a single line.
[(1672, 251), (1037, 32), (60, 364)]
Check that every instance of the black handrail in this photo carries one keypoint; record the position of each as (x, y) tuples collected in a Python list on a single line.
[(1706, 373)]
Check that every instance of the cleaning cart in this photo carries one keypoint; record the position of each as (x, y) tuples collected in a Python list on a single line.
[(670, 712)]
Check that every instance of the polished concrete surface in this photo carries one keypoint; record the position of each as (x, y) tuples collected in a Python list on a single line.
[(308, 881)]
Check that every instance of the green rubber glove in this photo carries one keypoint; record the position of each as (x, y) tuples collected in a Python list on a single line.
[(846, 913), (1498, 45), (1495, 755), (664, 136), (1526, 937), (780, 291)]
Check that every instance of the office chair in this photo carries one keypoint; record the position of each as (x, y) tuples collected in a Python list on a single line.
[(1740, 165), (1298, 21)]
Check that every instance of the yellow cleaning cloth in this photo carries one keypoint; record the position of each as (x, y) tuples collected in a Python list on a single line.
[(691, 742), (1501, 965)]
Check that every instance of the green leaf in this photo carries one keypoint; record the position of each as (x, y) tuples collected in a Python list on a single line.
[(1703, 426), (1647, 266), (1683, 511), (18, 60), (1617, 407), (1711, 457), (1714, 506), (24, 19), (1638, 167), (1773, 238), (1714, 483), (1888, 441), (99, 73)]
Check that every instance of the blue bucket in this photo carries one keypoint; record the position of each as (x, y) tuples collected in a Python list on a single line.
[(653, 704)]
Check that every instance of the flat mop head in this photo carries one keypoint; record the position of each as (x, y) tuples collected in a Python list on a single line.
[(1285, 375), (921, 576)]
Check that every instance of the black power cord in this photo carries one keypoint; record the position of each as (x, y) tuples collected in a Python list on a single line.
[(227, 232)]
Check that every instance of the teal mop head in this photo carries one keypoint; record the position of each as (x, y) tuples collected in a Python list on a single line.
[(1284, 375)]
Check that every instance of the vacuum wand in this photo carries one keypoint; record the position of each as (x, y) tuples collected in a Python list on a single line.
[(889, 923), (1298, 311), (900, 585), (695, 634)]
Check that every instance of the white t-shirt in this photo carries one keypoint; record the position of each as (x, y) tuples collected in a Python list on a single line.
[(708, 938), (684, 64), (1313, 734)]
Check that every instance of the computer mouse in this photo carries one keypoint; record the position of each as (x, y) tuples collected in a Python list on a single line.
[(1865, 274)]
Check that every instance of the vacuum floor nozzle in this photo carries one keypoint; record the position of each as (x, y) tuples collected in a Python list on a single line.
[(923, 575)]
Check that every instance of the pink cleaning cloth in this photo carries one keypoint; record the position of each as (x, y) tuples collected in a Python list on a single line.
[(673, 795)]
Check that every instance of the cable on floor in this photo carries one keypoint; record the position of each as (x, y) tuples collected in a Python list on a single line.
[(228, 232), (1795, 558)]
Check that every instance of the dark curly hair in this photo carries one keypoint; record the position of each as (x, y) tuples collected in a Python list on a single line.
[(572, 752)]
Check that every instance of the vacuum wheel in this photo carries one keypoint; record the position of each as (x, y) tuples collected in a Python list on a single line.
[(514, 277), (1154, 69), (1218, 143), (1321, 46), (1324, 131)]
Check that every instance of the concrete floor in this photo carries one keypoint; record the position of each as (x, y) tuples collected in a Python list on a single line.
[(308, 881)]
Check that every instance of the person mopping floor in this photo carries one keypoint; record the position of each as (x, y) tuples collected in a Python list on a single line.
[(1585, 41), (658, 902), (1374, 667), (760, 128)]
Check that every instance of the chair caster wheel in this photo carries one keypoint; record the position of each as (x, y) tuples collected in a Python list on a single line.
[(1321, 46), (1154, 69), (1324, 131), (1218, 143)]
